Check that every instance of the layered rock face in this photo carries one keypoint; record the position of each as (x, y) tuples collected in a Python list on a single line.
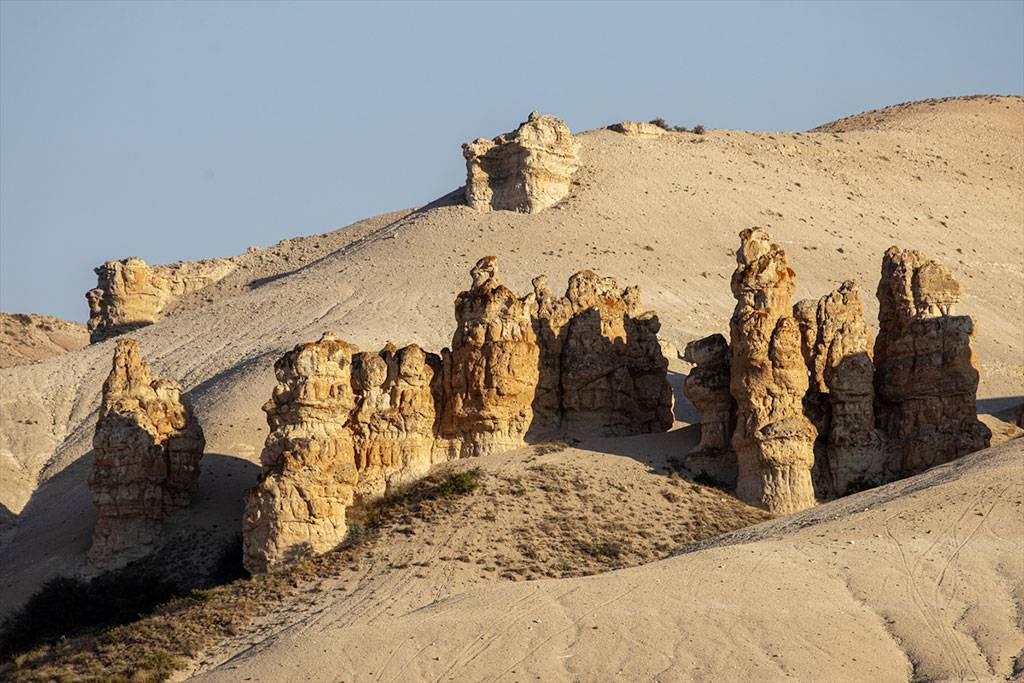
[(130, 294), (395, 424), (492, 369), (148, 446), (773, 439), (526, 170), (611, 369), (927, 377), (840, 400), (309, 464)]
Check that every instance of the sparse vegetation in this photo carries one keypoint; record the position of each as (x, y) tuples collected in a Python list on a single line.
[(661, 123)]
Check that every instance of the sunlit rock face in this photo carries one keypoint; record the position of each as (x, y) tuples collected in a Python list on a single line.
[(773, 440), (309, 473), (148, 446), (130, 294), (526, 170), (927, 377)]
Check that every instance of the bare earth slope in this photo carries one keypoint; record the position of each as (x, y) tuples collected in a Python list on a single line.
[(661, 212), (27, 338), (918, 580)]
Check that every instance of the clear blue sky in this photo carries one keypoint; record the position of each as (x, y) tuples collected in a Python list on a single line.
[(186, 130)]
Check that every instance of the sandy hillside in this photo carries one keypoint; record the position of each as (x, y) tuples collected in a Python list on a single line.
[(918, 580), (664, 213)]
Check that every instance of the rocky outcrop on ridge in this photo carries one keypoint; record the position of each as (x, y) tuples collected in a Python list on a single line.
[(526, 170), (840, 400), (637, 129), (27, 338), (130, 294), (148, 446), (774, 440), (927, 376), (349, 426)]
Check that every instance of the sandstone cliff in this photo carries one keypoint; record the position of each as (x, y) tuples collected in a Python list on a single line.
[(147, 450), (927, 375), (130, 293), (773, 439), (27, 338), (638, 129), (526, 170)]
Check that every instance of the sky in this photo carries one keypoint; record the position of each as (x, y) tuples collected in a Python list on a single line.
[(196, 129)]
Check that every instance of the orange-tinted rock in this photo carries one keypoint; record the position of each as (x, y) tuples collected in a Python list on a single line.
[(773, 439)]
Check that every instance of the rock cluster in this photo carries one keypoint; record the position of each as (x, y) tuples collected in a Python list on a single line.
[(130, 294), (147, 450), (774, 440), (807, 391), (526, 170), (927, 377), (347, 426)]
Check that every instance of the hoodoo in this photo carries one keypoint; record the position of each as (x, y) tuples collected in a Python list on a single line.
[(148, 445)]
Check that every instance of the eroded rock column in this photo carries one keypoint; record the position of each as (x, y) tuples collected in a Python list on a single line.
[(927, 376), (147, 446), (773, 439), (309, 464)]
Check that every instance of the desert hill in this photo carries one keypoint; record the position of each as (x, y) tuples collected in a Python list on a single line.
[(662, 212), (916, 580), (27, 338)]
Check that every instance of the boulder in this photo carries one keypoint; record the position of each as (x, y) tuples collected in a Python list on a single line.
[(926, 380), (526, 170), (773, 439), (147, 447), (130, 294)]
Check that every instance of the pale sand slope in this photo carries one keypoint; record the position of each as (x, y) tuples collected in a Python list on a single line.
[(28, 338), (661, 212), (918, 580)]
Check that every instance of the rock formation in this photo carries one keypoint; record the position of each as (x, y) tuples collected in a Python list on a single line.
[(309, 464), (526, 170), (130, 294), (27, 338), (773, 439), (707, 387), (348, 426), (840, 400), (395, 422), (605, 352), (639, 129), (492, 370), (147, 451), (927, 378)]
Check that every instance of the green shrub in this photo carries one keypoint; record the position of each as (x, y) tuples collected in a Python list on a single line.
[(459, 483), (698, 129)]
